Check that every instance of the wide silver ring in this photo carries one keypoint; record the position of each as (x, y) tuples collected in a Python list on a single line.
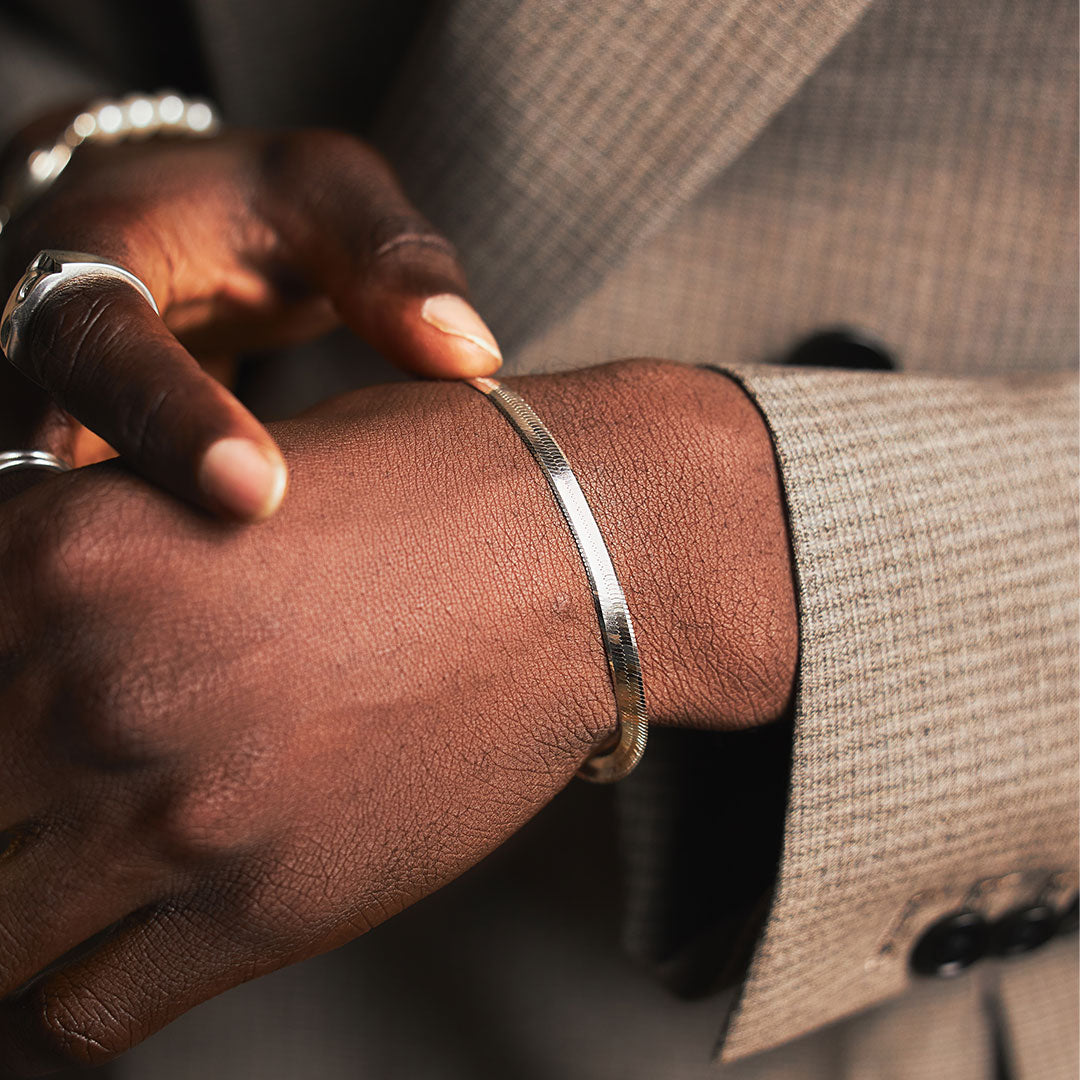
[(13, 460), (50, 271)]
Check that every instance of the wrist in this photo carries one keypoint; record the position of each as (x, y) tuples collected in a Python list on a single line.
[(678, 469), (678, 466)]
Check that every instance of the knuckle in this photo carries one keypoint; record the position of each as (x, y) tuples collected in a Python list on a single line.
[(75, 550), (196, 825), (142, 430), (334, 173), (405, 235), (109, 708), (68, 558), (217, 805), (407, 254), (100, 721)]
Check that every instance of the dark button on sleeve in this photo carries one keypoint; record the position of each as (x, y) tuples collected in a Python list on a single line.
[(842, 348), (1022, 930), (951, 945), (1069, 917)]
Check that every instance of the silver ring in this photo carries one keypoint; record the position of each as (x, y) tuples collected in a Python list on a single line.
[(52, 270), (13, 460)]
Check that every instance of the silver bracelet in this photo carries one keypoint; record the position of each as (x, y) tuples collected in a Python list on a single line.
[(138, 116), (616, 629)]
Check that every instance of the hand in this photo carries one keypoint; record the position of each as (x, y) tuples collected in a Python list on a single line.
[(228, 748), (247, 240)]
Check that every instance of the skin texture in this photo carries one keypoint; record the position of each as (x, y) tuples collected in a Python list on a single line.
[(227, 748), (246, 241)]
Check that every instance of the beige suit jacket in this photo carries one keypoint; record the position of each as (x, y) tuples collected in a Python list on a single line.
[(712, 182)]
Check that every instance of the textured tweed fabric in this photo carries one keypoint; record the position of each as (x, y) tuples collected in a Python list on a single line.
[(921, 186), (935, 762), (931, 202), (581, 127)]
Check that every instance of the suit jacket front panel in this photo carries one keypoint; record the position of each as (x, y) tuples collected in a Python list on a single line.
[(548, 138), (921, 186)]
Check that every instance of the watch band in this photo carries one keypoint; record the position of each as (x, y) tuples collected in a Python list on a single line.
[(137, 116)]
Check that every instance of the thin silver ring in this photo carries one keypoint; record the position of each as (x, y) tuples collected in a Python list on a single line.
[(14, 460), (49, 271), (616, 630)]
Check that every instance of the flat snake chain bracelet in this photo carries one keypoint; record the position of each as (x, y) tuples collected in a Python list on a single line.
[(616, 629), (138, 116)]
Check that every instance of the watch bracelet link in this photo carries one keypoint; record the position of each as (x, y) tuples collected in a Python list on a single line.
[(137, 116)]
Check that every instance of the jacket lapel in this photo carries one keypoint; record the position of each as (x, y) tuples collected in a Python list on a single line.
[(547, 138)]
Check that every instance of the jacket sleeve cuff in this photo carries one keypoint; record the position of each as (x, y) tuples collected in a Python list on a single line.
[(934, 763)]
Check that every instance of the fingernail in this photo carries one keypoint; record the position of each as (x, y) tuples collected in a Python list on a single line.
[(245, 478), (457, 317)]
